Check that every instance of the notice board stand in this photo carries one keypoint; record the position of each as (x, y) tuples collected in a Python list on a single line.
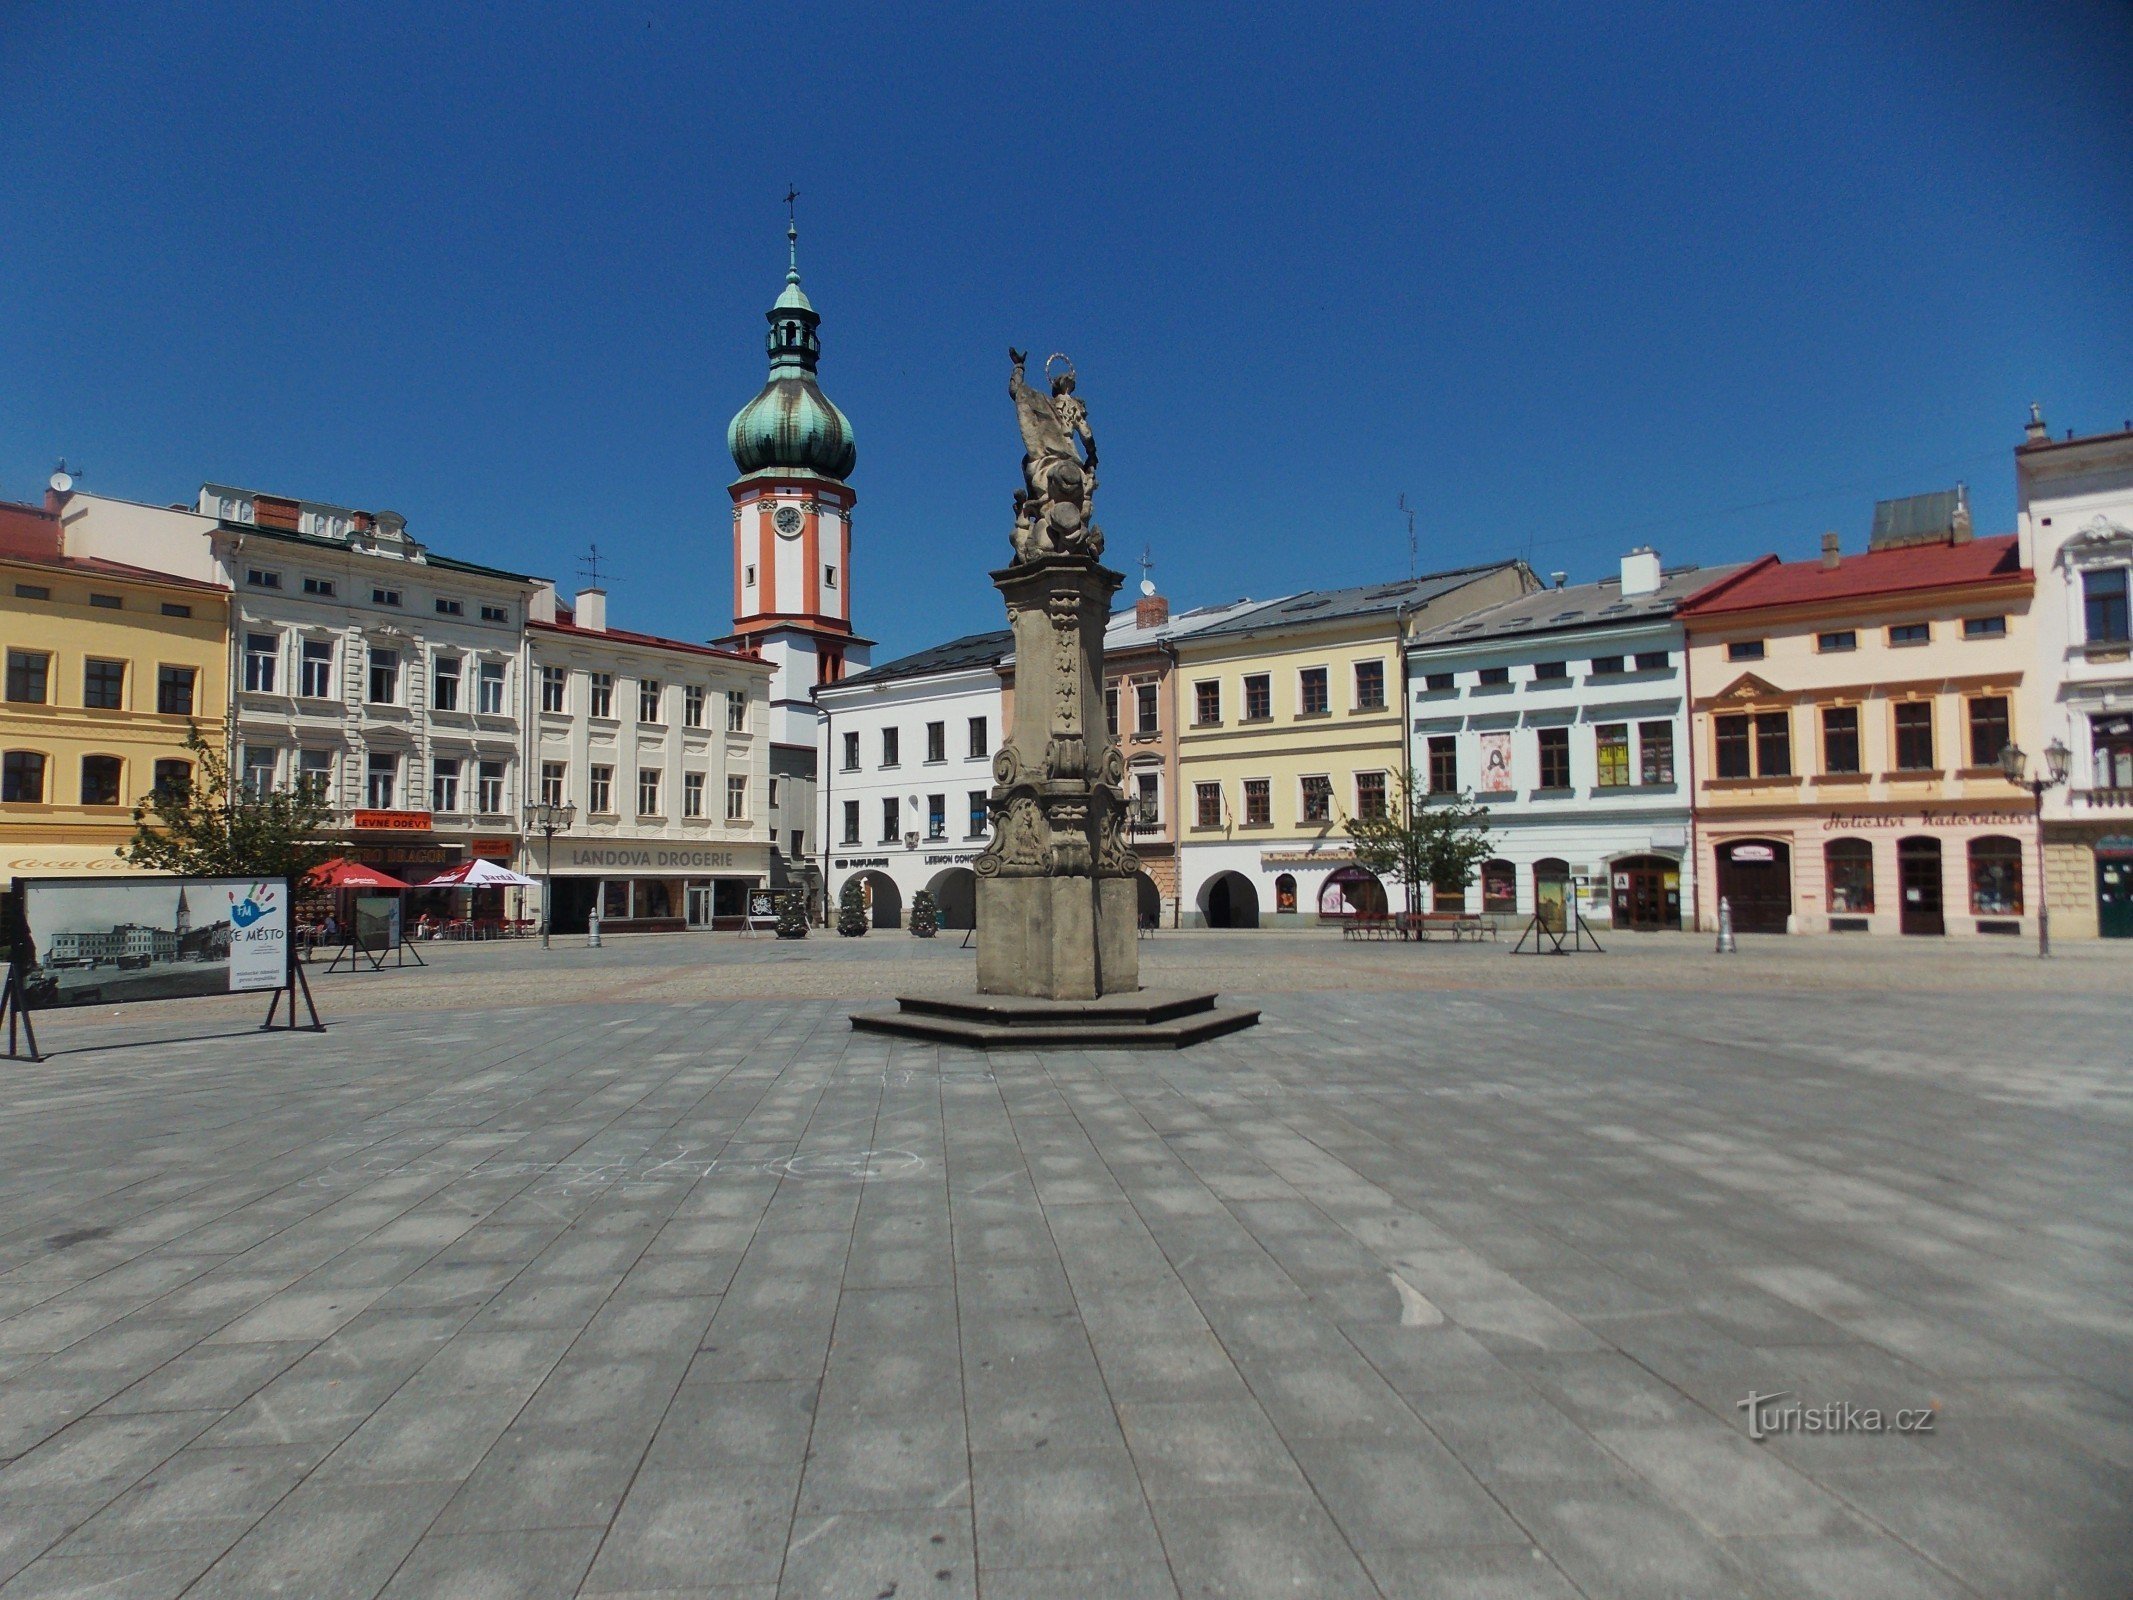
[(15, 1011)]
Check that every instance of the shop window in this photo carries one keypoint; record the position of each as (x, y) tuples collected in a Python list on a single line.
[(261, 651), (1370, 685), (1849, 864), (1369, 795), (1655, 752), (1840, 739), (28, 677), (1554, 757), (22, 777), (692, 794), (603, 694), (1443, 763), (600, 791), (1610, 745), (1989, 729), (100, 779), (654, 897), (976, 824), (1914, 735), (936, 741), (489, 689), (1318, 799), (174, 690), (489, 798), (979, 746), (936, 816), (1258, 697), (1996, 876), (444, 682), (1499, 887), (1312, 698), (555, 688), (1258, 802), (1207, 805), (103, 685), (384, 676), (1206, 703), (444, 784), (2103, 605), (1285, 892)]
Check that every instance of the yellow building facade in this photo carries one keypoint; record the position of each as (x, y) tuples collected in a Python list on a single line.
[(1289, 723), (106, 667)]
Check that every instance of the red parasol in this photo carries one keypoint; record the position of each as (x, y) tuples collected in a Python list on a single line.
[(341, 873)]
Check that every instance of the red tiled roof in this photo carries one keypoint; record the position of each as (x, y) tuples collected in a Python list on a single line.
[(624, 636), (1771, 582)]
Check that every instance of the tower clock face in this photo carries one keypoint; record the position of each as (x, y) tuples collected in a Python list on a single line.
[(787, 520)]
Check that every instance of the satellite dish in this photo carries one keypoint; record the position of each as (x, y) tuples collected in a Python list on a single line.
[(1148, 586), (61, 483)]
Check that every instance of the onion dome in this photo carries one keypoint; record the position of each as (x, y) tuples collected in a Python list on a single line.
[(791, 426)]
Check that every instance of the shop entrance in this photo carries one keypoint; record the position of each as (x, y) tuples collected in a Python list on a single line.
[(2114, 888), (1918, 885), (1230, 901), (699, 905), (1755, 879), (1647, 892)]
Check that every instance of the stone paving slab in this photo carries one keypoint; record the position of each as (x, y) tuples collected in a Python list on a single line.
[(1450, 1291)]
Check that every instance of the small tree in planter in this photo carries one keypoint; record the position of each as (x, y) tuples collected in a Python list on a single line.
[(925, 915), (852, 908), (792, 916)]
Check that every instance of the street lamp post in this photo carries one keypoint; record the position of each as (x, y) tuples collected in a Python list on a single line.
[(2012, 763), (548, 821)]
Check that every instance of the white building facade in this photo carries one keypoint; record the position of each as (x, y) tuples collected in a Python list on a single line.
[(661, 748), (2074, 508), (906, 767), (1565, 712)]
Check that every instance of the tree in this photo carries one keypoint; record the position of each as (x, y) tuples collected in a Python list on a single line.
[(1422, 838), (925, 916), (204, 827), (852, 908), (792, 915)]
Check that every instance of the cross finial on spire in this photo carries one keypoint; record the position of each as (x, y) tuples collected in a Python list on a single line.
[(792, 224)]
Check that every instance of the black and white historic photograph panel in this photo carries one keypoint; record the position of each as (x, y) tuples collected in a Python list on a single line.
[(98, 943)]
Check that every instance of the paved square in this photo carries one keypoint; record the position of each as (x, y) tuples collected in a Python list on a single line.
[(636, 1272)]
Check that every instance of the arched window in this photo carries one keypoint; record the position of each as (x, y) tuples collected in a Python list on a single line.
[(1996, 876), (23, 782), (1285, 892), (1499, 887), (1849, 864)]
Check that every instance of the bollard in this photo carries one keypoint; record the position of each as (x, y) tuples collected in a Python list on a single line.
[(1726, 946), (592, 929)]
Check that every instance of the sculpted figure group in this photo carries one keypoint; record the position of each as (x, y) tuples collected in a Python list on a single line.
[(1055, 508)]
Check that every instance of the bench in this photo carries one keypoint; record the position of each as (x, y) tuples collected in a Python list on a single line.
[(1459, 924), (1367, 928)]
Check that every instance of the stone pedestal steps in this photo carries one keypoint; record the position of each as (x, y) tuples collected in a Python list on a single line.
[(1147, 1019)]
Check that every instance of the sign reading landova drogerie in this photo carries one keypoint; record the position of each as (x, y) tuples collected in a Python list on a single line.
[(105, 941)]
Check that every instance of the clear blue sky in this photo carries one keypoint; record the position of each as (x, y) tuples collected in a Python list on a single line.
[(1710, 277)]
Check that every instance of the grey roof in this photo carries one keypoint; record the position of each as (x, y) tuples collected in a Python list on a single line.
[(957, 655), (1916, 518), (430, 558), (1577, 605), (1340, 605)]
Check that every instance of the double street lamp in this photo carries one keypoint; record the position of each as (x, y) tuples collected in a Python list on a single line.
[(548, 821), (2012, 763)]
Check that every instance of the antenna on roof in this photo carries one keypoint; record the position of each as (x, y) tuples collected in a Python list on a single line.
[(62, 479), (589, 566), (1409, 512), (1147, 566)]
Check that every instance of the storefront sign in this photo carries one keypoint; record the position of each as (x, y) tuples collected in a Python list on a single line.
[(1852, 822), (1752, 853), (632, 858), (391, 822), (2115, 845), (959, 858), (493, 849), (864, 861)]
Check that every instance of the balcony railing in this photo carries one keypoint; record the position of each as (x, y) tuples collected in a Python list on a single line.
[(1142, 816), (2104, 799)]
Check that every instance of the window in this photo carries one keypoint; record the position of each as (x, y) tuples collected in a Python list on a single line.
[(489, 789), (1438, 682), (1543, 671), (829, 577), (489, 689), (314, 774), (979, 746), (100, 777), (260, 651), (1773, 745), (977, 813), (1655, 752), (172, 778), (255, 767), (1604, 666), (1840, 738), (1443, 764), (315, 671), (851, 822), (2103, 605), (450, 608), (647, 791), (1914, 735), (892, 821), (891, 750), (1258, 697), (22, 777), (444, 682), (648, 707), (444, 784), (1989, 731), (600, 791), (1984, 627), (1745, 650), (1311, 694), (384, 676), (936, 816), (1996, 876), (1610, 743), (1651, 661), (32, 591), (1258, 802), (1370, 794), (736, 711), (107, 602), (103, 684), (28, 676), (692, 705), (381, 775), (692, 794), (1554, 757), (1147, 809), (936, 741), (1370, 686), (1144, 718), (321, 588), (1499, 887), (261, 578), (1111, 708), (385, 597), (1318, 799), (1849, 864), (1730, 735), (1493, 675), (1207, 805), (553, 784), (172, 609), (736, 797), (1206, 703), (748, 576), (1832, 643), (603, 694), (851, 752), (2111, 744), (1904, 633), (555, 688), (495, 614)]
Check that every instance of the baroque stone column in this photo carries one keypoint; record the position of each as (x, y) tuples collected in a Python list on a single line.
[(1057, 902)]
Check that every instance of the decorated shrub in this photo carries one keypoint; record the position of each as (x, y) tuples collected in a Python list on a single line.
[(792, 916), (925, 915), (852, 908)]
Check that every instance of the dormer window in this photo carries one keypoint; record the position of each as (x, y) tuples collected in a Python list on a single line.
[(385, 597), (451, 608), (261, 578)]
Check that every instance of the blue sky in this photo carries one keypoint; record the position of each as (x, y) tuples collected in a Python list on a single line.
[(1571, 279)]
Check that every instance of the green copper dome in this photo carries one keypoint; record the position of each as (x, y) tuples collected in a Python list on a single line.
[(791, 425)]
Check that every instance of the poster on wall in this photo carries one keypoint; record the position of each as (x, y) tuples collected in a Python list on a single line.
[(1496, 763), (88, 942)]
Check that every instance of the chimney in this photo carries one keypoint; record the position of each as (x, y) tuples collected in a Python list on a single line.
[(592, 610), (540, 605), (1830, 558), (1559, 578), (1959, 523), (1640, 571), (2035, 432), (1150, 611)]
